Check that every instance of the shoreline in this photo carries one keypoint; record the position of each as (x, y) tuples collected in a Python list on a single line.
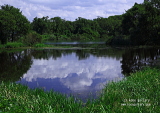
[(137, 93), (61, 47)]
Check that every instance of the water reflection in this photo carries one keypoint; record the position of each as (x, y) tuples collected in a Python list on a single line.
[(14, 65), (74, 71), (136, 59), (79, 44), (74, 43)]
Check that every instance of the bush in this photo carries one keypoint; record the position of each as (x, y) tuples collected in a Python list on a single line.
[(32, 38), (49, 37), (119, 41), (14, 45)]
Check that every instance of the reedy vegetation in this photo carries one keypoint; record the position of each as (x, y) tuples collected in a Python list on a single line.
[(137, 93)]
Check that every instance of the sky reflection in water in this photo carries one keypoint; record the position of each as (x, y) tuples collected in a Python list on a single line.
[(68, 74)]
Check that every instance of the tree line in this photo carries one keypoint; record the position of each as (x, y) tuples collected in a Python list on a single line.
[(139, 25), (79, 30)]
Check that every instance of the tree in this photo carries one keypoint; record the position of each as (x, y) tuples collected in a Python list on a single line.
[(131, 24), (140, 24), (69, 29), (12, 23), (32, 38), (57, 25), (7, 24), (102, 27), (87, 29), (114, 25), (154, 3), (41, 25), (152, 16)]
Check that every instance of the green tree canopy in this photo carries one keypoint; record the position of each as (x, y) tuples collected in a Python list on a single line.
[(7, 24), (41, 25), (140, 23), (12, 24)]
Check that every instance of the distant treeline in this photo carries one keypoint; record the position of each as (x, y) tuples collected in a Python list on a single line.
[(140, 25)]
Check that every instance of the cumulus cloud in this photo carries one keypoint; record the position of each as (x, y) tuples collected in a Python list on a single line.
[(69, 9), (75, 74)]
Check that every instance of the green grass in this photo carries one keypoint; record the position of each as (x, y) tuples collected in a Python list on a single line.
[(39, 45), (12, 45), (17, 98), (139, 93)]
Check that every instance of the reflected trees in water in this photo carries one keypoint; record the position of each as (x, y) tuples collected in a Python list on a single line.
[(135, 59), (13, 65)]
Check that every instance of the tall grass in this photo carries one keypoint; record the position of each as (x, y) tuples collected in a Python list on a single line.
[(139, 93), (17, 98)]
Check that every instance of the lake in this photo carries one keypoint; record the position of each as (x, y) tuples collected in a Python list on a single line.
[(80, 72)]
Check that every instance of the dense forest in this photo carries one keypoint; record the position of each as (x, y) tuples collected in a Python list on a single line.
[(139, 25)]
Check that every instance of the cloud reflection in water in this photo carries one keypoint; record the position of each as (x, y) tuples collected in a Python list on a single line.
[(76, 75)]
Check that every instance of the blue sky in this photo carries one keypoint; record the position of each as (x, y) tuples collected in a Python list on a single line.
[(71, 9)]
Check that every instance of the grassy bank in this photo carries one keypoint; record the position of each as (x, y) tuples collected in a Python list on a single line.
[(12, 45), (18, 45), (138, 93)]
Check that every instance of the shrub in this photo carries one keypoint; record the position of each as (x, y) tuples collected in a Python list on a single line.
[(32, 38), (13, 45), (40, 45)]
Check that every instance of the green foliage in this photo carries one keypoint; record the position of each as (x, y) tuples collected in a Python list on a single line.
[(12, 45), (125, 95), (7, 24), (40, 25), (12, 24), (79, 30), (42, 45), (48, 37), (32, 38), (119, 41), (140, 24), (2, 46), (34, 100), (137, 93)]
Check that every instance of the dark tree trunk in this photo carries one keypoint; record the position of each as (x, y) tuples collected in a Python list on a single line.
[(3, 38), (12, 37)]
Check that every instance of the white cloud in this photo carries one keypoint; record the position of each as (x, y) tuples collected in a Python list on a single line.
[(69, 9)]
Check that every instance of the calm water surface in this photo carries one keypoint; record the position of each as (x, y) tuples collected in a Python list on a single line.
[(72, 74), (78, 72)]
